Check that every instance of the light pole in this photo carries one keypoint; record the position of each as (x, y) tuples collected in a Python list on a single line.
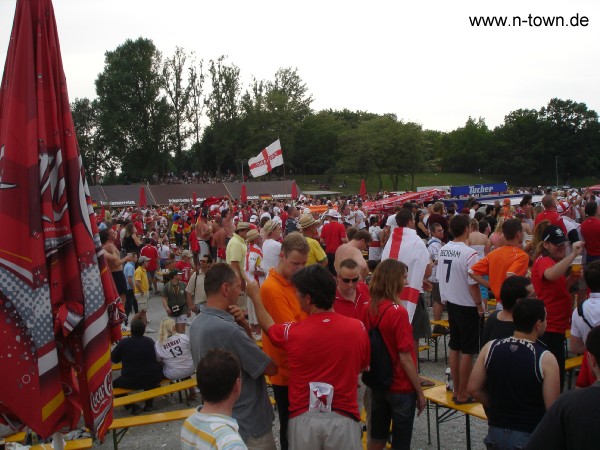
[(556, 167)]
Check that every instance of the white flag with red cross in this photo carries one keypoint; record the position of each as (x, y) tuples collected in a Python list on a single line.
[(269, 157)]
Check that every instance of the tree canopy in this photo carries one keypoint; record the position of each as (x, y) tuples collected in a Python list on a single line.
[(155, 115)]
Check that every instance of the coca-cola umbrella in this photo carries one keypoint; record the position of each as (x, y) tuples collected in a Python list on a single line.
[(243, 194), (58, 303)]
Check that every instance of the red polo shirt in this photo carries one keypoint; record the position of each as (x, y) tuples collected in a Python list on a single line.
[(590, 230), (325, 347), (553, 217), (554, 294), (397, 334), (353, 309), (333, 233)]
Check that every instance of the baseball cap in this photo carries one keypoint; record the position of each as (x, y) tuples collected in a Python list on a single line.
[(554, 235), (143, 259), (175, 272)]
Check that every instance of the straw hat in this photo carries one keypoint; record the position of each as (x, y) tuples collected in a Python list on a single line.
[(252, 235), (307, 220)]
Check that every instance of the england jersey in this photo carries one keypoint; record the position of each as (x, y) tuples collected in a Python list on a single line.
[(454, 261)]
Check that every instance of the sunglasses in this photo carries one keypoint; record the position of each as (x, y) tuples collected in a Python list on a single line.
[(349, 280)]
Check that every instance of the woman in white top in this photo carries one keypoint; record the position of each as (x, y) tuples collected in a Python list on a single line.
[(478, 241), (164, 252), (271, 247), (375, 245), (173, 349)]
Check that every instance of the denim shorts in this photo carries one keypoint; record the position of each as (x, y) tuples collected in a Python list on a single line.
[(505, 439), (397, 408)]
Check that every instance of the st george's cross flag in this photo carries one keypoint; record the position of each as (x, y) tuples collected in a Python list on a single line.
[(407, 247), (269, 157)]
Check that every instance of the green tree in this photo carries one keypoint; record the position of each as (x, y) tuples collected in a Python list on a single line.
[(179, 94), (223, 111), (96, 159), (195, 106), (572, 136), (467, 149), (136, 120)]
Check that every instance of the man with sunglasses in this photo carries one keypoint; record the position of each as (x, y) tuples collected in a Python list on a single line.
[(552, 287), (351, 295)]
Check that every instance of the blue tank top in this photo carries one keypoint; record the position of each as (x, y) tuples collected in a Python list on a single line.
[(514, 384)]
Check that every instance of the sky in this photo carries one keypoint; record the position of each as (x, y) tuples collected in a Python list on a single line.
[(420, 60)]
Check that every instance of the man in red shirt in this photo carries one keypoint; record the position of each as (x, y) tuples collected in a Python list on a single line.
[(184, 265), (352, 295), (590, 230), (552, 287), (550, 213), (333, 234), (149, 251), (326, 352)]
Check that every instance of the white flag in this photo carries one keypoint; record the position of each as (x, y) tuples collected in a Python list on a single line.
[(269, 157)]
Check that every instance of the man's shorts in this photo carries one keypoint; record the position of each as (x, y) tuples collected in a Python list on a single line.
[(151, 275), (464, 328), (311, 429), (421, 324), (120, 281), (436, 297), (142, 300)]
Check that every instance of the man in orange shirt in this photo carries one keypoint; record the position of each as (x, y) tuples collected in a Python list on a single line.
[(503, 262), (279, 299)]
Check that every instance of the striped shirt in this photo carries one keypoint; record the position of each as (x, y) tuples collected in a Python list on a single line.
[(211, 432)]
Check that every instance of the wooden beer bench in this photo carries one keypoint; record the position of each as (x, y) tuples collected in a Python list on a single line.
[(156, 392), (120, 426)]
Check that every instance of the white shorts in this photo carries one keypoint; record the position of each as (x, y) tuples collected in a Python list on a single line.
[(181, 318)]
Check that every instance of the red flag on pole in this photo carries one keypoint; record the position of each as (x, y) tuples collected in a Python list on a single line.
[(243, 194), (194, 198), (58, 303), (294, 191), (363, 188), (143, 201)]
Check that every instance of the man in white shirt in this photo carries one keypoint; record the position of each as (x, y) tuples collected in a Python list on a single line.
[(587, 315), (462, 297)]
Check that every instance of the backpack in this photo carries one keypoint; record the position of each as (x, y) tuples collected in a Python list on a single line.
[(580, 313), (381, 371)]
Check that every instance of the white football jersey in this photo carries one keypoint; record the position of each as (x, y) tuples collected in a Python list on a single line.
[(454, 261)]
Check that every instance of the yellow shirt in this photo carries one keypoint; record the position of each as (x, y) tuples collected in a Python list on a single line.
[(236, 250), (316, 253), (141, 276)]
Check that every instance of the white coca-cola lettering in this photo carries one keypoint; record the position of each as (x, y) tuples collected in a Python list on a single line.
[(102, 395)]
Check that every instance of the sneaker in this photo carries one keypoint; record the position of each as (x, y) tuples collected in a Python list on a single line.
[(148, 320), (150, 330)]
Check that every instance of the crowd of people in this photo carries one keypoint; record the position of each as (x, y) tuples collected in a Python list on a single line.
[(331, 297)]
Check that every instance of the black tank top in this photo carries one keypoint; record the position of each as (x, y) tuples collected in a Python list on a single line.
[(514, 383)]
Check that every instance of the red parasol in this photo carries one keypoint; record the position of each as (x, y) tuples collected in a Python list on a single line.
[(194, 198), (142, 201), (363, 188), (58, 303), (294, 191), (243, 194)]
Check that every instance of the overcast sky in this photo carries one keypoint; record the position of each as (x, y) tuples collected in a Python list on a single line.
[(421, 60)]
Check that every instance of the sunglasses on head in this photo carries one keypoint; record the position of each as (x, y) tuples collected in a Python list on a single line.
[(349, 280)]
